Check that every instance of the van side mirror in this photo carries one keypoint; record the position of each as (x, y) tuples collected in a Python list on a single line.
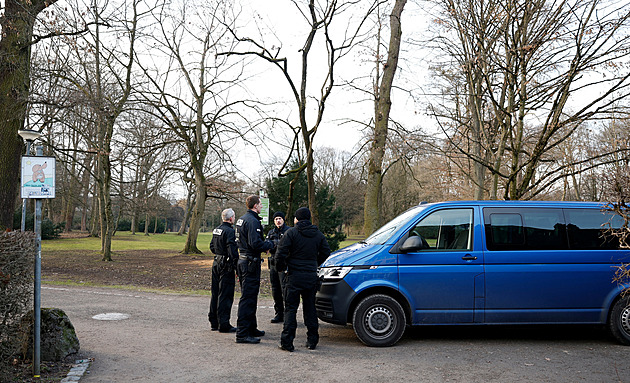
[(414, 243)]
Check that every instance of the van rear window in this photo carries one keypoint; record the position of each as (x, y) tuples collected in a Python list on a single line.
[(588, 229), (525, 229), (545, 229)]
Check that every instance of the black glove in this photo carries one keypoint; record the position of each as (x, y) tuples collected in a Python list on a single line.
[(281, 264)]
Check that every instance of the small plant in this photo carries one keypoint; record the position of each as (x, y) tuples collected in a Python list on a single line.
[(622, 234)]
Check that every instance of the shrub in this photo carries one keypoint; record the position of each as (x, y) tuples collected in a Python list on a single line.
[(124, 224), (50, 230)]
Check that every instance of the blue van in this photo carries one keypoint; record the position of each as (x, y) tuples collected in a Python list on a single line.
[(480, 262)]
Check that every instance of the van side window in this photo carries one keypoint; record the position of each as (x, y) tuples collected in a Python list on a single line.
[(525, 229), (587, 229), (506, 231), (446, 229)]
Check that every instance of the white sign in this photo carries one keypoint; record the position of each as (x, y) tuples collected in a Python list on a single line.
[(38, 177), (264, 213)]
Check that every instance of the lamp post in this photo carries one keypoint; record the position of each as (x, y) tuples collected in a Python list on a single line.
[(29, 136)]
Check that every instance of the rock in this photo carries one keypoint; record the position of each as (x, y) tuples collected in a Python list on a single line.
[(57, 336)]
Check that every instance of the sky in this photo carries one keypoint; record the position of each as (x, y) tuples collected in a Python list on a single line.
[(289, 31)]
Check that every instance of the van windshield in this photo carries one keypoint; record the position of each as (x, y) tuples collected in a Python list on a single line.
[(381, 235)]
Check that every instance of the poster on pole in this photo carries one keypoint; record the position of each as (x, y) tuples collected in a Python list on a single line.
[(264, 213), (38, 177)]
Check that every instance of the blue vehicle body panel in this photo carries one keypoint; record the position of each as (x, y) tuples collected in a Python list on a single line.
[(479, 286)]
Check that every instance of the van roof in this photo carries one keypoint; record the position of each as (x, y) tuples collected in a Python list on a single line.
[(514, 203)]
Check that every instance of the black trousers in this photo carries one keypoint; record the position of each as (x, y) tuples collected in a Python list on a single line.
[(277, 279), (222, 289), (249, 277), (300, 285)]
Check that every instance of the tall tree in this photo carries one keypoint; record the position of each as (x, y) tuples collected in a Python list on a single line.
[(321, 18), (16, 39), (382, 108), (190, 90), (534, 72)]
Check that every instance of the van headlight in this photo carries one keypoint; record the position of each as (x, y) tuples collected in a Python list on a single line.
[(335, 272)]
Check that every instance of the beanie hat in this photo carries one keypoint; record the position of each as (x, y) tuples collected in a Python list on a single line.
[(303, 214), (279, 214)]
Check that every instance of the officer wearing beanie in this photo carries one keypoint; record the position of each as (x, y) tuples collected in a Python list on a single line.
[(277, 277), (251, 243), (302, 249)]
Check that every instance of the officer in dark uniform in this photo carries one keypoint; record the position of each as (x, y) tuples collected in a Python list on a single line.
[(277, 277), (302, 249), (250, 242), (223, 245)]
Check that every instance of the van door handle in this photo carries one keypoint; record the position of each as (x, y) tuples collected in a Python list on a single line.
[(469, 258)]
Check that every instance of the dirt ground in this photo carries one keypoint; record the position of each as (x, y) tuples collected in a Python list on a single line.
[(143, 269)]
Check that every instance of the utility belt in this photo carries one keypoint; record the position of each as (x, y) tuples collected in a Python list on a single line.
[(245, 257), (221, 258), (253, 263)]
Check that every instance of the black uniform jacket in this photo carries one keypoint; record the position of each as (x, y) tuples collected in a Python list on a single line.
[(224, 242), (249, 235), (302, 248), (276, 234)]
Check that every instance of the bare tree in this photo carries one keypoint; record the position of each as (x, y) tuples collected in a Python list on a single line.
[(523, 76), (17, 19), (320, 19), (191, 95), (383, 83)]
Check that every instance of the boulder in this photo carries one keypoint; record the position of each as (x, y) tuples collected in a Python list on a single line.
[(57, 336)]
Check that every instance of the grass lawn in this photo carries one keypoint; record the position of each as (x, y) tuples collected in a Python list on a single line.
[(141, 262), (123, 240)]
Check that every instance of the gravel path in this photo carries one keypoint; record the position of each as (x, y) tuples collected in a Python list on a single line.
[(167, 338)]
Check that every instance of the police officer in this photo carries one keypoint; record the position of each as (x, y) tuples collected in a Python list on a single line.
[(250, 242), (277, 277), (302, 249), (223, 245)]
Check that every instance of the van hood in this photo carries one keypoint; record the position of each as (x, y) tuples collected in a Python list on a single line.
[(350, 254)]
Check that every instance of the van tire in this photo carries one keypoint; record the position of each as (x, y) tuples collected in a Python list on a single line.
[(379, 321), (619, 321)]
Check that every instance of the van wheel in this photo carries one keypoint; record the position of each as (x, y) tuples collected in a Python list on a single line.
[(619, 321), (379, 321)]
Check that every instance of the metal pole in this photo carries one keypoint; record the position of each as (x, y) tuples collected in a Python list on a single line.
[(23, 227), (38, 282)]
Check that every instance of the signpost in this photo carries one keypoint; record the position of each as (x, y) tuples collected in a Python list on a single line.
[(37, 181), (264, 213)]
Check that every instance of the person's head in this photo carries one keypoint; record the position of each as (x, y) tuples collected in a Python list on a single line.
[(228, 215), (278, 219), (253, 203), (302, 214)]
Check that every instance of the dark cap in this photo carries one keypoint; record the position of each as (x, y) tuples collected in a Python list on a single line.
[(303, 214), (279, 214)]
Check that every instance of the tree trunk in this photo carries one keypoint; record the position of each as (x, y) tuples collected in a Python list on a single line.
[(383, 104), (15, 62), (107, 218), (197, 214), (95, 213), (134, 222), (182, 228)]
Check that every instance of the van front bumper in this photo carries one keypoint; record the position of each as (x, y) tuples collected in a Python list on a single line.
[(333, 300)]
